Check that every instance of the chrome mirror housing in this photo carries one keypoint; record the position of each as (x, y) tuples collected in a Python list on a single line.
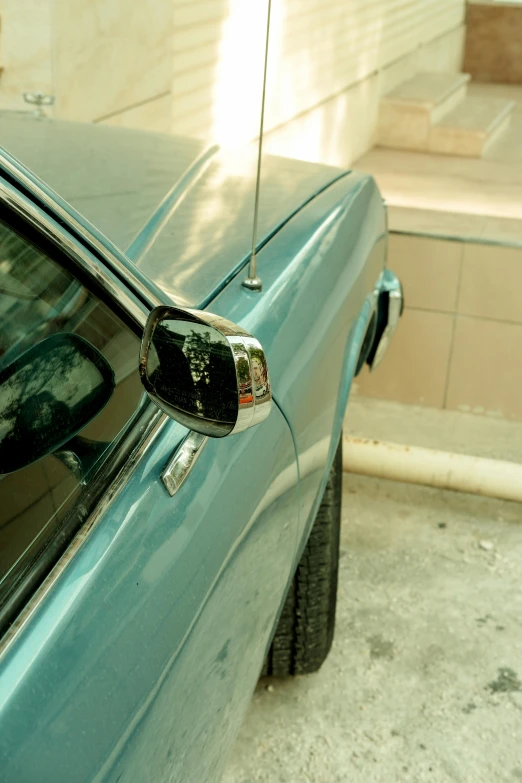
[(204, 371)]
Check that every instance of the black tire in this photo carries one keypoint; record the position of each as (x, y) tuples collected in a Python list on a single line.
[(305, 630)]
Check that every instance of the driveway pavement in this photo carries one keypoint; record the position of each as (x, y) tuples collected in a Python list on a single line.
[(424, 681)]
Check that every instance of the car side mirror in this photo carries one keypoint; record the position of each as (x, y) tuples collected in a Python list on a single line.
[(47, 395), (205, 372)]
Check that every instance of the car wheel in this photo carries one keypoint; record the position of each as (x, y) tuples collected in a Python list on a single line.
[(305, 630)]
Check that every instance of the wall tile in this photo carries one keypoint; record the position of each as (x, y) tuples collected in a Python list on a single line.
[(414, 370), (493, 43), (152, 116), (337, 132), (109, 55), (428, 269), (445, 53), (491, 285), (486, 368), (104, 58), (26, 51), (400, 71), (227, 78), (321, 47)]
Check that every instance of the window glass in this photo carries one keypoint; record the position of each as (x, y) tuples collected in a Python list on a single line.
[(69, 384)]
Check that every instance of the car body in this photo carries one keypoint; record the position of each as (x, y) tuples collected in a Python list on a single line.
[(135, 633)]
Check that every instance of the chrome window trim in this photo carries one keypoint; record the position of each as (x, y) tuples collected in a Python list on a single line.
[(137, 303), (106, 249), (153, 430), (59, 235), (138, 311)]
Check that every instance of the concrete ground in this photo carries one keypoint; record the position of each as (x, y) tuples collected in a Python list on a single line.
[(424, 681)]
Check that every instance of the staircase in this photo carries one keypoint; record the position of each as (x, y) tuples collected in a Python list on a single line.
[(433, 113)]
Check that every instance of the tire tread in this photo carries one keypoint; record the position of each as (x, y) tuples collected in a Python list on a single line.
[(304, 634)]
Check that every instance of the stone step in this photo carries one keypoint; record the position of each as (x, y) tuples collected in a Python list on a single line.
[(408, 112), (471, 127)]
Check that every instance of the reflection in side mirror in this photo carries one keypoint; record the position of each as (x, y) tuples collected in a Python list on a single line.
[(47, 395), (204, 371)]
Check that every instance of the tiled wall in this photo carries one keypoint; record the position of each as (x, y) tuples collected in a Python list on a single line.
[(342, 128), (194, 67), (494, 42), (109, 55), (26, 50), (459, 343)]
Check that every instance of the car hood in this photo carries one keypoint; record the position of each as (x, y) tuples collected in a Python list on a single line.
[(181, 211)]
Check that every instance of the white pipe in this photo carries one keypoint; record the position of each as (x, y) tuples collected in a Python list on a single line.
[(446, 470)]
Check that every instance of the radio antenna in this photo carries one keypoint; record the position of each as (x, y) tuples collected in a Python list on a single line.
[(252, 281)]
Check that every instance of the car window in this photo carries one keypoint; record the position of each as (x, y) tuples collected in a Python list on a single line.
[(46, 462)]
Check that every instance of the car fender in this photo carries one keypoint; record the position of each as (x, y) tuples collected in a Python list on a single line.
[(319, 275)]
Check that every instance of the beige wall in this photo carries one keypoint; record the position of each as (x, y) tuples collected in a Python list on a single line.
[(109, 55), (25, 50), (341, 128), (194, 67), (458, 343), (493, 42)]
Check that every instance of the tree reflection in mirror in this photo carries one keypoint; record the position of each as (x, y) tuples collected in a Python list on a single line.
[(260, 374), (47, 395), (192, 368)]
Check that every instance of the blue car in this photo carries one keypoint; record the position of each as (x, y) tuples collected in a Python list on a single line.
[(170, 438)]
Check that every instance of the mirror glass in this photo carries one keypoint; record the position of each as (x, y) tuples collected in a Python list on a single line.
[(48, 395), (191, 369)]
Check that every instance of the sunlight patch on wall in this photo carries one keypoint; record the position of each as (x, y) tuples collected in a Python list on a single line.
[(239, 74)]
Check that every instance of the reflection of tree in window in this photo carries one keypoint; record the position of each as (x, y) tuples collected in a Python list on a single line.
[(40, 399), (39, 297)]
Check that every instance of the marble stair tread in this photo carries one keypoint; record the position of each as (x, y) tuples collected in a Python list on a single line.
[(472, 126), (407, 114), (454, 196), (478, 114), (427, 89)]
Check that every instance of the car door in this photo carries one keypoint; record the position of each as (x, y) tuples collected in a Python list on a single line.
[(134, 654)]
